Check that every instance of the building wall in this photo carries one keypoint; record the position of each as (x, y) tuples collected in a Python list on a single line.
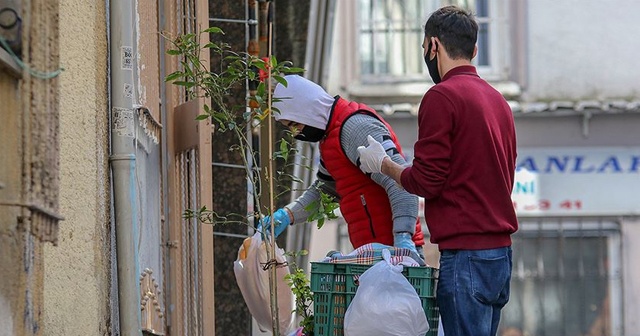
[(12, 245), (77, 271), (572, 45), (617, 130), (584, 51)]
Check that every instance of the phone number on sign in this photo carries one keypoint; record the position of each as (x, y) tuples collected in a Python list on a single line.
[(545, 205)]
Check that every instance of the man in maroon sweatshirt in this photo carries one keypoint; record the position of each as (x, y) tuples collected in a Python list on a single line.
[(464, 167)]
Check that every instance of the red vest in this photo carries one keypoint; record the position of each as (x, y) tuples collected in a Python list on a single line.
[(363, 203)]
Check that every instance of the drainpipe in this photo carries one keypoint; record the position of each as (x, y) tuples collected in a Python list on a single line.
[(123, 161)]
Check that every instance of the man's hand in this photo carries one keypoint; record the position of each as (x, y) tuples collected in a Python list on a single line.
[(371, 157)]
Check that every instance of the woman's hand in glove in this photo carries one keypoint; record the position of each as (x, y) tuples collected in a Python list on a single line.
[(281, 222)]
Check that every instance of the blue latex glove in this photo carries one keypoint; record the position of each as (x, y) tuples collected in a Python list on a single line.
[(281, 222), (403, 240)]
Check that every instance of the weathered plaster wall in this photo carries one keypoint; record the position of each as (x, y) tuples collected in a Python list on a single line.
[(77, 270)]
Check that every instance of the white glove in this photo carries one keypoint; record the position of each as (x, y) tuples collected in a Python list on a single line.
[(371, 156)]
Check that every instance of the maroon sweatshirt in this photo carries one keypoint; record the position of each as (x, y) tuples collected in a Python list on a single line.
[(464, 163)]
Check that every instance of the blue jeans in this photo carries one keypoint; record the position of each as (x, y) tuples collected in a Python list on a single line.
[(472, 289)]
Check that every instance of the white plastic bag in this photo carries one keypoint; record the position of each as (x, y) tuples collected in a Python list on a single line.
[(385, 304), (440, 328), (253, 281)]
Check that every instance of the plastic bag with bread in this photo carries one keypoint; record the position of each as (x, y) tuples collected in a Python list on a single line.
[(253, 279)]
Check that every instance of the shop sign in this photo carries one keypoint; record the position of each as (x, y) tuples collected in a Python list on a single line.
[(580, 181)]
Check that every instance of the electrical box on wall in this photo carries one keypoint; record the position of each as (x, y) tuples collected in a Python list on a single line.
[(11, 25)]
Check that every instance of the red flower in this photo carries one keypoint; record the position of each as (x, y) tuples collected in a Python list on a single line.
[(264, 74)]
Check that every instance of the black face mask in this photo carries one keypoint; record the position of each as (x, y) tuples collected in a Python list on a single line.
[(310, 134), (432, 65)]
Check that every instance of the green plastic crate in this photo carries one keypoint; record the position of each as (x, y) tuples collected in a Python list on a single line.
[(334, 286)]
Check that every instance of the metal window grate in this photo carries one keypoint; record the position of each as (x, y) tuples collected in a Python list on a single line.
[(187, 165), (566, 278)]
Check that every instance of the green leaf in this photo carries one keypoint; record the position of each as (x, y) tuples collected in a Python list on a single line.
[(202, 117), (261, 89), (173, 75), (185, 84), (284, 146), (221, 117), (281, 80), (295, 178), (174, 52), (232, 58), (260, 65), (214, 30)]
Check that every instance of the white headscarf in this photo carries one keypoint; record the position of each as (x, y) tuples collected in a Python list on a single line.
[(303, 101)]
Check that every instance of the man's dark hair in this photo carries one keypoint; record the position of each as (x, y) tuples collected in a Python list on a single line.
[(456, 28)]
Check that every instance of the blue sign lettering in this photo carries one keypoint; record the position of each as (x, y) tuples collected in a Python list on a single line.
[(611, 162), (579, 164), (528, 164), (635, 163), (578, 168), (560, 164)]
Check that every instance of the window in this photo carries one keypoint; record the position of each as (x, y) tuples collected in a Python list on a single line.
[(566, 279), (390, 36)]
